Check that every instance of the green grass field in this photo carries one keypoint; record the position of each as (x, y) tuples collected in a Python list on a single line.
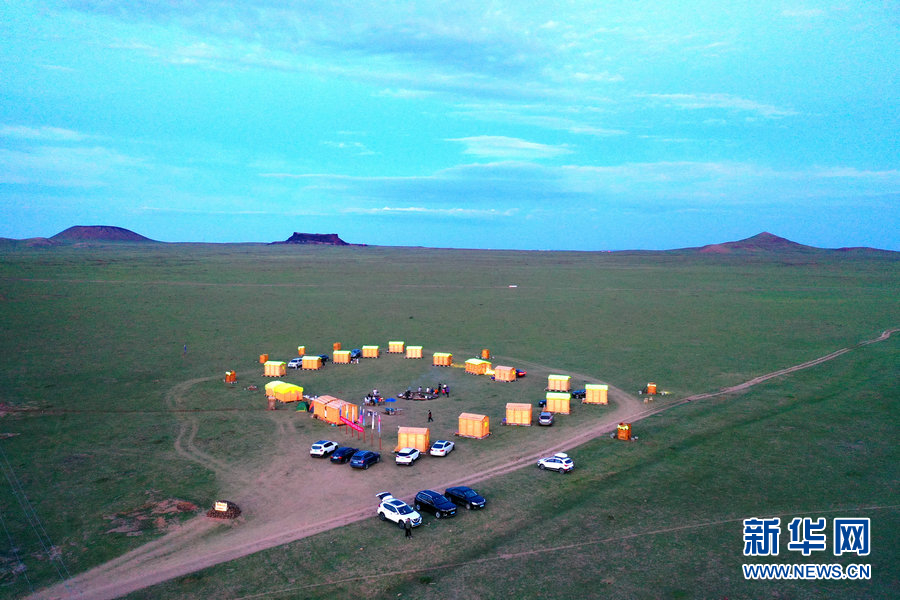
[(93, 341)]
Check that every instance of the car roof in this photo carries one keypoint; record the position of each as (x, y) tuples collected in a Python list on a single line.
[(323, 442), (404, 450), (431, 493)]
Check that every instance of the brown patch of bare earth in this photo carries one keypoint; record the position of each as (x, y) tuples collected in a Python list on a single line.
[(157, 516)]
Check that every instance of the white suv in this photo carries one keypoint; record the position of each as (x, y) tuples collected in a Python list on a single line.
[(407, 456), (323, 448), (398, 511), (558, 462)]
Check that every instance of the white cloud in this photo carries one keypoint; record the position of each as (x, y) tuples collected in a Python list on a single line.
[(854, 173), (467, 213), (405, 93), (43, 133), (496, 146), (804, 13), (722, 101), (359, 148), (64, 166), (603, 77)]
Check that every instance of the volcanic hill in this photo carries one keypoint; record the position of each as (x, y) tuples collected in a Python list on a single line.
[(761, 242), (322, 239), (99, 233)]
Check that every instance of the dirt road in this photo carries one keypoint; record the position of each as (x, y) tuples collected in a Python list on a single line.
[(288, 499)]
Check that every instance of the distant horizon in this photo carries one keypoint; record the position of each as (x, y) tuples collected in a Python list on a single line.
[(587, 126), (354, 243)]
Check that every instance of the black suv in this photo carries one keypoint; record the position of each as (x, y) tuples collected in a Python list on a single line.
[(434, 502), (465, 496), (343, 454)]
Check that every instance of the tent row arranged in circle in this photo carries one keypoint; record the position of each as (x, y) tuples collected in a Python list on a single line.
[(339, 412)]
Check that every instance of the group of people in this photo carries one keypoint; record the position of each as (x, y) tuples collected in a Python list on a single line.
[(440, 388)]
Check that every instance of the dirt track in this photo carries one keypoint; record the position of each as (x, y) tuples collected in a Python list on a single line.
[(285, 502)]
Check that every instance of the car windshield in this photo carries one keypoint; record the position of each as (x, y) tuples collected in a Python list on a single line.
[(469, 494), (404, 510)]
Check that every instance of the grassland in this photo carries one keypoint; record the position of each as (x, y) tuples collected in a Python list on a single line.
[(93, 341)]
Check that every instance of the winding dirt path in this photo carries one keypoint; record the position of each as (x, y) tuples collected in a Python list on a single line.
[(290, 499)]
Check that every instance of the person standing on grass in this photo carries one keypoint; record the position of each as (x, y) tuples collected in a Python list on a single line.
[(407, 526), (184, 351)]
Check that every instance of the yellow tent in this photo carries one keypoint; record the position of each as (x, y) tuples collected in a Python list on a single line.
[(473, 426), (395, 347), (270, 388), (414, 352), (341, 357), (502, 373), (442, 359), (595, 393), (518, 413), (337, 408), (319, 405), (288, 392), (413, 437), (274, 368), (477, 366), (311, 362), (559, 383), (558, 402), (370, 351)]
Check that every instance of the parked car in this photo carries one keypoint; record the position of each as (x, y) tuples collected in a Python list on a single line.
[(558, 462), (355, 353), (579, 394), (545, 418), (295, 363), (407, 456), (323, 448), (324, 358), (521, 373), (436, 503), (396, 510), (465, 496), (364, 459), (441, 448), (343, 454)]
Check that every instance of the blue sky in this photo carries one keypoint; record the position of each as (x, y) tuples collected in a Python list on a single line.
[(511, 124)]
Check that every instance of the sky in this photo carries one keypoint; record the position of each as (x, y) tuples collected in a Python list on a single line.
[(579, 125)]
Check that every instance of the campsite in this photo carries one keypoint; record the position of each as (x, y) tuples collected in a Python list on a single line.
[(116, 412)]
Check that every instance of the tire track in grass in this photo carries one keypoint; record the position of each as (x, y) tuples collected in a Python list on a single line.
[(189, 426)]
